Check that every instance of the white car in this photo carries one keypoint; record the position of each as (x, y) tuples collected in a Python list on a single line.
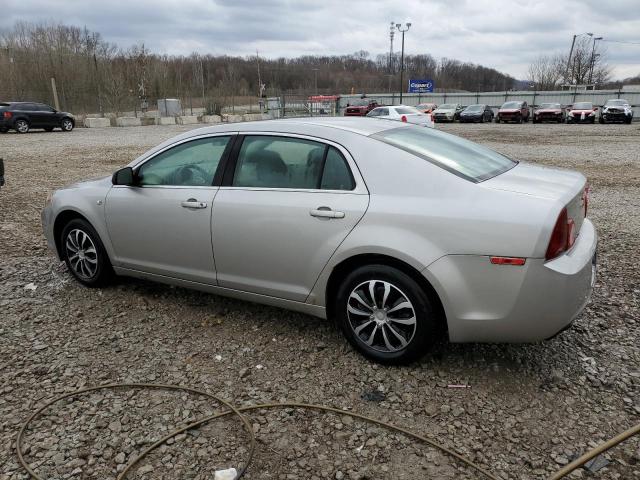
[(403, 113)]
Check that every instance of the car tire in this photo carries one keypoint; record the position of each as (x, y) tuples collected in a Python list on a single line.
[(601, 121), (399, 338), (21, 126), (67, 125), (628, 120), (85, 255)]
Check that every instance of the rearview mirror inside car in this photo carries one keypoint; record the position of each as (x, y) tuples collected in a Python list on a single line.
[(124, 176), (1, 172)]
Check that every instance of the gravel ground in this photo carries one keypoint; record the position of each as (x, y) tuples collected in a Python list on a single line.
[(529, 408)]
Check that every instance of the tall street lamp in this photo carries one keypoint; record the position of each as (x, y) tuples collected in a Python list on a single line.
[(593, 58), (402, 30)]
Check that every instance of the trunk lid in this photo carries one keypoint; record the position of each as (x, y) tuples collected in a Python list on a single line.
[(566, 186)]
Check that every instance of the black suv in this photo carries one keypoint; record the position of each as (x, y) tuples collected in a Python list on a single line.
[(23, 116)]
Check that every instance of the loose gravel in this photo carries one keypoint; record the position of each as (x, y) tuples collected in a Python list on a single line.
[(529, 410)]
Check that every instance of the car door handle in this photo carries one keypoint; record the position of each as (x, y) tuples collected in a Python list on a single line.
[(326, 212), (193, 203)]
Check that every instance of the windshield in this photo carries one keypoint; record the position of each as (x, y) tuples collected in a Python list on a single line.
[(359, 103), (616, 103), (583, 106), (512, 105), (461, 157), (549, 105), (474, 108), (408, 111), (447, 106)]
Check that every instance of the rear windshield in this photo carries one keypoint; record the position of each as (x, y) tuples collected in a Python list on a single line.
[(408, 111), (461, 157)]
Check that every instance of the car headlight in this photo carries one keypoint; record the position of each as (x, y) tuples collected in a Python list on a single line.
[(592, 114)]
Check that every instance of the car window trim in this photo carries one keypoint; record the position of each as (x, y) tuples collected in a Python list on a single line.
[(358, 181), (217, 176)]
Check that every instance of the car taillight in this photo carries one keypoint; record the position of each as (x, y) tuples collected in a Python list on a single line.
[(562, 237), (7, 115), (404, 118)]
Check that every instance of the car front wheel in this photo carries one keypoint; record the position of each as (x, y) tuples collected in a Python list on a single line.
[(84, 254), (67, 125), (385, 314)]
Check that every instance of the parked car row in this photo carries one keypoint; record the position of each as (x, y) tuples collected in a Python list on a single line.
[(614, 110)]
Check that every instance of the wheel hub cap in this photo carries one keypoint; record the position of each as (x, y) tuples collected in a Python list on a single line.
[(381, 316), (82, 254)]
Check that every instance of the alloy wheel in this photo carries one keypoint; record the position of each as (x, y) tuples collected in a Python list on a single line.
[(22, 126), (381, 316), (67, 125), (82, 254)]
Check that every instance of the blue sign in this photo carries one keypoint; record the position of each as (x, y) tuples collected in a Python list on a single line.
[(420, 86)]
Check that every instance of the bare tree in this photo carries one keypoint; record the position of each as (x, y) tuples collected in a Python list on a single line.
[(546, 71)]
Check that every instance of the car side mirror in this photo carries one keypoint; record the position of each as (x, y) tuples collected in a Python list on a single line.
[(1, 172), (124, 176)]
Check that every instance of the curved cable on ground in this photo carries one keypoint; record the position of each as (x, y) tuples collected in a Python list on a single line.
[(236, 411)]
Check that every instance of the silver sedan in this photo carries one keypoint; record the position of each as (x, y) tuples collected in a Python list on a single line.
[(392, 230)]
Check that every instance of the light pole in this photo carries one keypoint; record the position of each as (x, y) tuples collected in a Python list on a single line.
[(593, 57), (402, 30)]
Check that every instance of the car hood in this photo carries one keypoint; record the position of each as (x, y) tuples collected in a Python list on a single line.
[(509, 110), (549, 110), (539, 181), (471, 113), (92, 183)]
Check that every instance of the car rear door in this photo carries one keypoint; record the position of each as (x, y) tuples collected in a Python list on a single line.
[(162, 225), (286, 204)]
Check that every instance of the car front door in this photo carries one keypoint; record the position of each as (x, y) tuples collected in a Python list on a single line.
[(162, 225), (286, 205)]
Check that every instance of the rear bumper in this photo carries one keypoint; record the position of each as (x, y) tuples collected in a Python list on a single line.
[(500, 303)]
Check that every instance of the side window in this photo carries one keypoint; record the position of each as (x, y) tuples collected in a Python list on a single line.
[(384, 112), (376, 112), (189, 164), (279, 162), (336, 174)]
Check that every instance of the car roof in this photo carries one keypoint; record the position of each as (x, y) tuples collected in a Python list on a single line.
[(359, 125)]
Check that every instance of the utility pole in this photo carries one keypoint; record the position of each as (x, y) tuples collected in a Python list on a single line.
[(202, 82), (315, 80), (55, 93), (402, 30), (573, 44), (95, 64)]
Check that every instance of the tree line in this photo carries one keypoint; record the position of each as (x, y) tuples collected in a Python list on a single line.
[(92, 74)]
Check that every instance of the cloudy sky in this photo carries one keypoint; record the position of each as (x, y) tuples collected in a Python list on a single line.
[(503, 34)]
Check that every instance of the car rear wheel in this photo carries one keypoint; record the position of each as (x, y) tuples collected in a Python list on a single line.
[(22, 126), (67, 125), (385, 314), (84, 254)]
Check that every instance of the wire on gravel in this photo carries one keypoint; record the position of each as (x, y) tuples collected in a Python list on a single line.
[(236, 411)]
